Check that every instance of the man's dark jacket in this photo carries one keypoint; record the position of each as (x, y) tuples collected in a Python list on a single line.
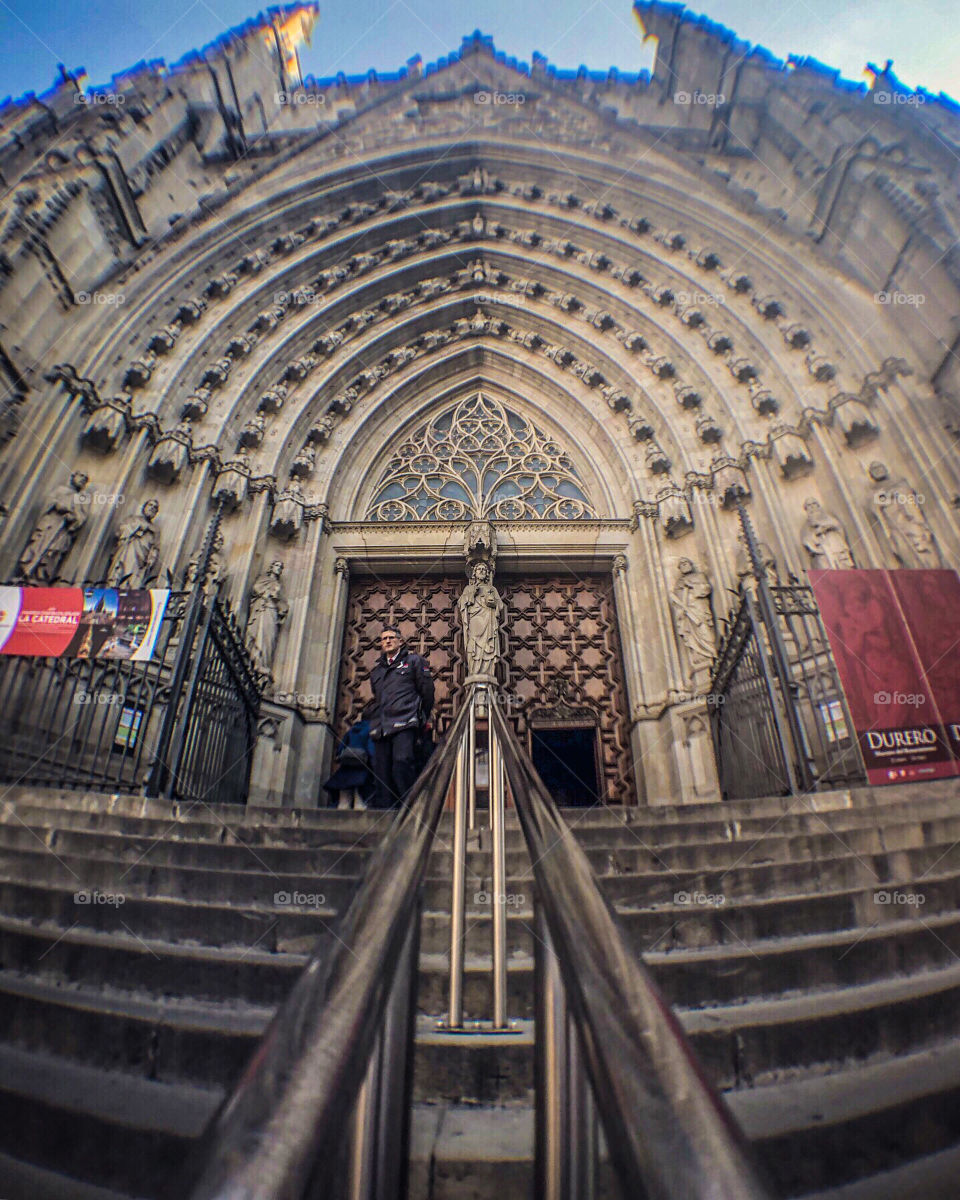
[(403, 693)]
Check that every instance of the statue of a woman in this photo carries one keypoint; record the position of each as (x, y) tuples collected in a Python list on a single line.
[(481, 611), (50, 543), (268, 611), (824, 538), (135, 555), (693, 616)]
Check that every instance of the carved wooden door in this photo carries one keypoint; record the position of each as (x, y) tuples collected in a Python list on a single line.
[(561, 662)]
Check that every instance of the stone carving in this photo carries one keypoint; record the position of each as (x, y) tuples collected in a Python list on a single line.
[(768, 562), (480, 544), (251, 435), (268, 611), (104, 426), (791, 452), (673, 510), (691, 599), (481, 611), (133, 563), (171, 454), (825, 539), (287, 518), (898, 512), (302, 466), (856, 421), (216, 568), (63, 517), (230, 486)]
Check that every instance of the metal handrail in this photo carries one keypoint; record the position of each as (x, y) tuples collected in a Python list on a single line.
[(668, 1132), (315, 1069)]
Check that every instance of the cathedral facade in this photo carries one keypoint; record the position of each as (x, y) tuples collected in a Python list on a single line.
[(579, 316)]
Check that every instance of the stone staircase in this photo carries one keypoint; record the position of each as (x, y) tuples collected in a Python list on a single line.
[(122, 1024), (829, 1019), (823, 1005)]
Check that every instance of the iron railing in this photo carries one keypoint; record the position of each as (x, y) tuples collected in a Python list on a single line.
[(607, 1040), (778, 714), (323, 1108), (183, 723)]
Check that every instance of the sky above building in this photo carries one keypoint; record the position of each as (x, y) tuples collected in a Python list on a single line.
[(107, 36)]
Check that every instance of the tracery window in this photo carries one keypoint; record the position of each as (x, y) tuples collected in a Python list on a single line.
[(479, 460)]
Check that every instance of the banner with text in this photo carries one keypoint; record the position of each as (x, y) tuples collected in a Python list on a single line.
[(893, 636), (81, 622)]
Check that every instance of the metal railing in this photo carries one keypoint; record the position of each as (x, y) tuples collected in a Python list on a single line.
[(601, 1021), (323, 1109), (778, 715), (182, 724)]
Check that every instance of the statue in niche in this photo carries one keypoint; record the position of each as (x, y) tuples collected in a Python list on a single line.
[(825, 539), (691, 599), (216, 571), (268, 611), (134, 560), (63, 517), (897, 509), (481, 611)]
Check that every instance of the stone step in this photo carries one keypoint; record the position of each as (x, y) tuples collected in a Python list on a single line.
[(160, 918), (475, 1066), (468, 1152), (690, 925), (120, 959), (209, 855), (806, 963), (741, 1045), (434, 987), (163, 1039), (110, 1130), (142, 879), (929, 1177), (818, 1133)]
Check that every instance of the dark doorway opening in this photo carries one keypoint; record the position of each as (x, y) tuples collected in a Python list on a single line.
[(566, 760)]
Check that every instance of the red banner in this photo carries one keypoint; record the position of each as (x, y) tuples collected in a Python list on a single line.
[(876, 638), (80, 623)]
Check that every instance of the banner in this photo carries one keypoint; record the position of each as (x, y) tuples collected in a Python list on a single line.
[(877, 622), (81, 622)]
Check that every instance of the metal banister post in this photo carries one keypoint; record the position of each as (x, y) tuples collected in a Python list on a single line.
[(550, 1068), (458, 874), (498, 899)]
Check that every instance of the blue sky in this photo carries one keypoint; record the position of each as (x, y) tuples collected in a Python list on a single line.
[(105, 36)]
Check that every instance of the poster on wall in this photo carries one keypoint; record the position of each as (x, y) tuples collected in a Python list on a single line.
[(930, 601), (895, 709), (81, 622)]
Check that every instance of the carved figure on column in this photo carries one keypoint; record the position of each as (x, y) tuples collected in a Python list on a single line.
[(134, 560), (268, 611), (691, 599), (897, 509), (216, 571), (63, 517), (481, 611), (825, 539), (767, 559)]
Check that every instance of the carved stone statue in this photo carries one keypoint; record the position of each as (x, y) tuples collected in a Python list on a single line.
[(63, 517), (767, 559), (268, 611), (693, 617), (137, 549), (898, 511), (287, 517), (824, 539), (171, 454), (481, 611), (216, 570)]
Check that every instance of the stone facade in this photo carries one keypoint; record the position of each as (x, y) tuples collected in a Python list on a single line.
[(222, 280)]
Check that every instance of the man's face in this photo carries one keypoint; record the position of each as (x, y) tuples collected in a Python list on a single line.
[(389, 642)]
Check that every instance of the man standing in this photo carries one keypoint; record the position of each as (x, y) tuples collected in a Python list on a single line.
[(402, 689)]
